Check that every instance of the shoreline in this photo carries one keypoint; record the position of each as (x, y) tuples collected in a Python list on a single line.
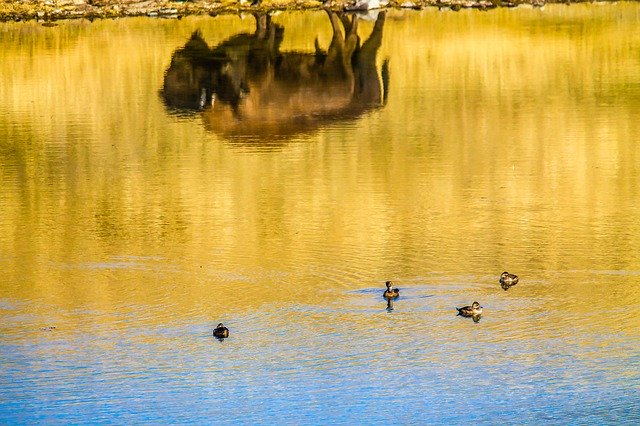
[(52, 10)]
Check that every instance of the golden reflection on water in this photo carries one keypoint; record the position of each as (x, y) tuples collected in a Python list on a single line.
[(248, 88), (509, 140)]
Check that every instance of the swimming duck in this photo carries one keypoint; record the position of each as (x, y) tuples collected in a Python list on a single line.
[(390, 292), (221, 331), (507, 280), (475, 310)]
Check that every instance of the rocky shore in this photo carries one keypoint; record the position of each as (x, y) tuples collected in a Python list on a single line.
[(51, 10)]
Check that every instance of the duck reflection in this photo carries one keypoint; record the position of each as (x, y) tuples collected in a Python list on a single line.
[(246, 86), (389, 304)]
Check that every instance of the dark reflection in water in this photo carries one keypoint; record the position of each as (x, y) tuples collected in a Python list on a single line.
[(247, 87), (506, 286)]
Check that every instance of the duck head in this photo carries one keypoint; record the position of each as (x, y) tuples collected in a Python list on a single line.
[(389, 285)]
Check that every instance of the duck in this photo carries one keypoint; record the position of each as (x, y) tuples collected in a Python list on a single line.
[(507, 280), (390, 292), (221, 331), (475, 310)]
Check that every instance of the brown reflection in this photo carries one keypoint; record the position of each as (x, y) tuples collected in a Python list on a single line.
[(389, 304), (475, 317), (246, 86), (505, 286)]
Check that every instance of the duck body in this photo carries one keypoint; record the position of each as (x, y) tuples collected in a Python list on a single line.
[(508, 280), (221, 332), (390, 292), (475, 310)]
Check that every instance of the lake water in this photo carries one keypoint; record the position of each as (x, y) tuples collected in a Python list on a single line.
[(158, 177)]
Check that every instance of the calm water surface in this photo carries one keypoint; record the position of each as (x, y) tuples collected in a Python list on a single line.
[(160, 176)]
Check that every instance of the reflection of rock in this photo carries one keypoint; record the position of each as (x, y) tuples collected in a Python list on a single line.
[(410, 5), (246, 86), (367, 4)]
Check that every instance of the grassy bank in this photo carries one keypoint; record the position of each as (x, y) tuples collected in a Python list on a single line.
[(49, 10)]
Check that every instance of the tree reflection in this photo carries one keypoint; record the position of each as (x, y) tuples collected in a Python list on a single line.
[(246, 86)]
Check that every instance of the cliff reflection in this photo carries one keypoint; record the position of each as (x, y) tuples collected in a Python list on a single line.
[(246, 86)]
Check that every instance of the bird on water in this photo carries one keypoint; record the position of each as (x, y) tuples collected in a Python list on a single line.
[(390, 292), (221, 331), (508, 280), (475, 310)]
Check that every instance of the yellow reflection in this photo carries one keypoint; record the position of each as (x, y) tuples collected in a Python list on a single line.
[(247, 86), (509, 141)]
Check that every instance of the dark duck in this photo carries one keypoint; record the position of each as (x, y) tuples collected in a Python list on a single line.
[(221, 331), (475, 310), (390, 292), (508, 280)]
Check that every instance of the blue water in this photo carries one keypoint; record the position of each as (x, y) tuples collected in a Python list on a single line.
[(352, 362)]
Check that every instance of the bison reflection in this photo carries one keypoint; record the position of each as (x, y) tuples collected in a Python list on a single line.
[(247, 87)]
